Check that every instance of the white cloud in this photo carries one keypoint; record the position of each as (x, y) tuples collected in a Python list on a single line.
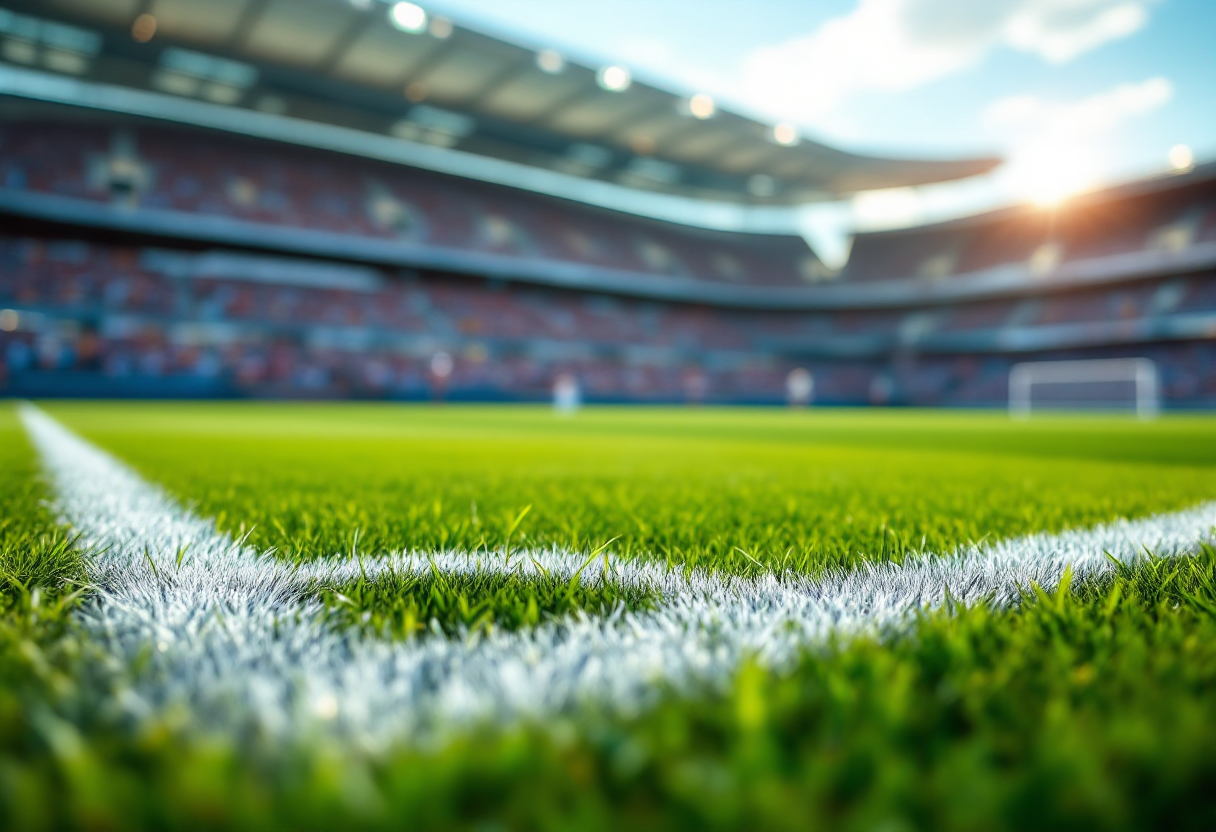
[(1088, 115), (896, 45), (1058, 147), (1059, 31), (1013, 110)]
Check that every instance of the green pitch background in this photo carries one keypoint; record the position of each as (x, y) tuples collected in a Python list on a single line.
[(792, 489), (1094, 707)]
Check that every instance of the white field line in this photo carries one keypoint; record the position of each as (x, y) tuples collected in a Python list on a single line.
[(233, 639)]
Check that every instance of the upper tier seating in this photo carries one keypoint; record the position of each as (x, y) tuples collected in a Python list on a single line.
[(213, 174), (1162, 219)]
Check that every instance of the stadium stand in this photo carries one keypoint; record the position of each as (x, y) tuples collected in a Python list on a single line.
[(173, 173), (164, 237), (153, 320), (1156, 218)]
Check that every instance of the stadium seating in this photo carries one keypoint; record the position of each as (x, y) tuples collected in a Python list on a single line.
[(169, 319), (135, 316), (197, 173), (1158, 217), (276, 339)]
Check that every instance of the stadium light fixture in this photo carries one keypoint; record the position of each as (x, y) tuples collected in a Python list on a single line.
[(441, 28), (144, 28), (785, 134), (614, 78), (408, 17), (550, 61), (1181, 158), (701, 106)]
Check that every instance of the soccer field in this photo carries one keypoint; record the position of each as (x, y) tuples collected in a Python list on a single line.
[(321, 616)]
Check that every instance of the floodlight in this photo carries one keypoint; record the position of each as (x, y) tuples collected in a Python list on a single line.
[(550, 61), (614, 78), (785, 134), (441, 28), (408, 17), (143, 28), (701, 106), (1181, 158)]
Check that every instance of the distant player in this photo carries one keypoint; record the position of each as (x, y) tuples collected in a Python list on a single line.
[(696, 385), (881, 390), (799, 387), (441, 370), (567, 395)]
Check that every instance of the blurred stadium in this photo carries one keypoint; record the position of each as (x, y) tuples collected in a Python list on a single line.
[(853, 588), (322, 199)]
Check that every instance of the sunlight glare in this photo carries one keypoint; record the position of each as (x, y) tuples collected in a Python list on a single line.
[(1050, 177)]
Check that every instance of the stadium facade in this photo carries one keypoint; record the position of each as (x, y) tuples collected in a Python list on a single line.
[(332, 199)]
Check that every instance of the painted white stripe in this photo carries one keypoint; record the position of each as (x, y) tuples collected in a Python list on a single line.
[(234, 638)]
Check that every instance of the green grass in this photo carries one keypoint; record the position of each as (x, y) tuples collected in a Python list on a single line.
[(403, 605), (1089, 708), (791, 490), (36, 556), (42, 581)]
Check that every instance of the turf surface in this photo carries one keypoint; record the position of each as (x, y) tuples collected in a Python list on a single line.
[(35, 554), (714, 488), (1091, 707)]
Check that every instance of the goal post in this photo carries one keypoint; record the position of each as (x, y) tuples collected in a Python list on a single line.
[(1112, 384)]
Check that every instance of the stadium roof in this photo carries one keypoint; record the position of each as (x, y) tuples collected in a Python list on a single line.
[(396, 71)]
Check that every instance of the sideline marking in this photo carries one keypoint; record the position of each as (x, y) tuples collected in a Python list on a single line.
[(233, 637)]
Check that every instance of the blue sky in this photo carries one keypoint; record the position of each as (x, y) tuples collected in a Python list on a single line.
[(1074, 93)]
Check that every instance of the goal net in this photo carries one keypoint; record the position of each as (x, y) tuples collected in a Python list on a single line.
[(1114, 384)]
